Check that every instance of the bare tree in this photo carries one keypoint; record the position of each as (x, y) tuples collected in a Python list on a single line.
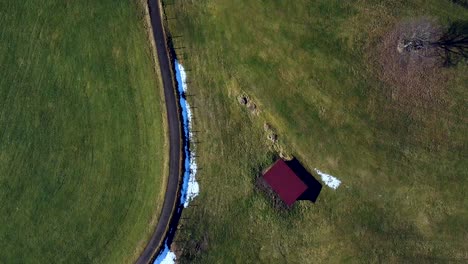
[(413, 56), (410, 65), (425, 38)]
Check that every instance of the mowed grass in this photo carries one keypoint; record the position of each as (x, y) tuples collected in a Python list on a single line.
[(310, 67), (81, 132)]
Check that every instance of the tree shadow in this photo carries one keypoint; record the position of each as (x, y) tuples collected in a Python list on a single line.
[(463, 3), (453, 44)]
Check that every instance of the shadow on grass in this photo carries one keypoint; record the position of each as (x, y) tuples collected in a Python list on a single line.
[(314, 187), (453, 45), (463, 3)]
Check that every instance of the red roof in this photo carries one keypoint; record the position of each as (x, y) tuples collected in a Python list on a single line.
[(284, 182)]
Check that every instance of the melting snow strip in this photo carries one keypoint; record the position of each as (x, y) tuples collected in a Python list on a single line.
[(190, 188), (166, 256), (329, 180)]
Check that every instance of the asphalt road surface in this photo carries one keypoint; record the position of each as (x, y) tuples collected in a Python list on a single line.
[(175, 137)]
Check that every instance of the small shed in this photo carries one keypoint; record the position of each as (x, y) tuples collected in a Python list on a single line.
[(291, 181)]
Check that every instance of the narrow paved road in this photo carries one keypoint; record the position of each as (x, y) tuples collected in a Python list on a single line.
[(175, 137)]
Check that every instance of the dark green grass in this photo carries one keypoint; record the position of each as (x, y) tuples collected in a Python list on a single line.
[(310, 67), (81, 135)]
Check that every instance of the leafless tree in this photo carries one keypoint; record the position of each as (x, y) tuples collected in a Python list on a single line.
[(409, 64), (426, 39), (413, 55)]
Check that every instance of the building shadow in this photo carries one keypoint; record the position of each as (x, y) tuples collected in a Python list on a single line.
[(314, 187)]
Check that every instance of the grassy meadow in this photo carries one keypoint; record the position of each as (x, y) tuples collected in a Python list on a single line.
[(82, 145), (310, 67)]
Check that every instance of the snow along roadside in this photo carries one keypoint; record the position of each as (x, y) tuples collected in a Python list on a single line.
[(190, 188)]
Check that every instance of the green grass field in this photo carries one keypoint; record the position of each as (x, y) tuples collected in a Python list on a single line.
[(82, 142), (310, 67)]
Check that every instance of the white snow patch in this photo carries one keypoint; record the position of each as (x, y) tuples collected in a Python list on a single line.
[(183, 75), (193, 188), (329, 180), (190, 187), (165, 257)]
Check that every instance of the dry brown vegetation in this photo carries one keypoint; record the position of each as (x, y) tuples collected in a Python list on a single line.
[(411, 66)]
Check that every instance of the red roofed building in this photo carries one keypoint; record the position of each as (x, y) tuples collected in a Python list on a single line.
[(292, 182)]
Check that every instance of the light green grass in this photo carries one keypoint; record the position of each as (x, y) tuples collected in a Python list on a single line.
[(81, 134), (309, 66)]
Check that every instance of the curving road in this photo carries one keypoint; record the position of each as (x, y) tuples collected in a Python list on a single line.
[(175, 136)]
